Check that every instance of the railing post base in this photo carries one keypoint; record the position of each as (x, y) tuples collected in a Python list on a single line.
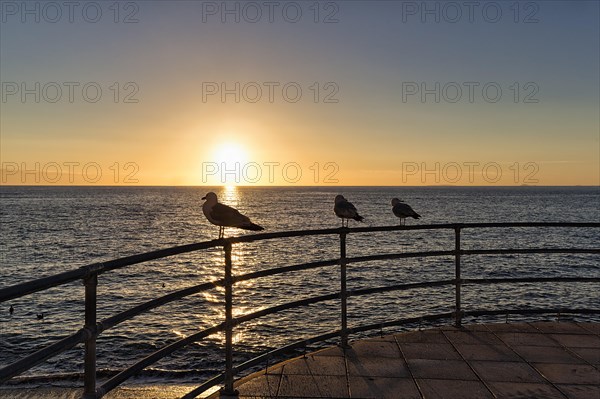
[(343, 293), (89, 390), (223, 394), (457, 279), (345, 345)]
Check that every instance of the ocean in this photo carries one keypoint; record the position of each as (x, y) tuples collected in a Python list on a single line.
[(47, 230)]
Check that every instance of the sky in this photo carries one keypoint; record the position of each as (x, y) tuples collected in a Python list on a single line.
[(300, 93)]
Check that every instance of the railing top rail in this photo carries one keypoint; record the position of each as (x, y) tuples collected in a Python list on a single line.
[(44, 283), (370, 229)]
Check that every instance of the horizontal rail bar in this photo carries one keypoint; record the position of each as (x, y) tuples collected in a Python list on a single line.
[(205, 386), (452, 226), (39, 356), (139, 309), (30, 287), (426, 254), (284, 306), (399, 287), (530, 311), (530, 251), (156, 356), (154, 303), (43, 283), (531, 280), (285, 269), (372, 258)]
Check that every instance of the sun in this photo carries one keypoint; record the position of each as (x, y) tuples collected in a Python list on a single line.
[(230, 154), (228, 161)]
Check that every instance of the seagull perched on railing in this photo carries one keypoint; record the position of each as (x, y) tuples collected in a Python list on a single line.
[(225, 216), (403, 210), (345, 210)]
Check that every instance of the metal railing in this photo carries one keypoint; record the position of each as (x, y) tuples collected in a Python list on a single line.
[(92, 327)]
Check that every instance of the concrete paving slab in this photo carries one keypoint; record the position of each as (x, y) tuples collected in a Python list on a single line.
[(472, 338), (512, 327), (429, 351), (306, 386), (442, 369), (475, 327), (581, 391), (550, 354), (452, 389), (577, 340), (549, 327), (591, 355), (333, 351), (377, 367), (569, 373), (262, 385), (383, 388), (431, 336), (319, 365), (374, 348), (506, 371), (592, 327), (499, 353), (519, 338), (525, 390)]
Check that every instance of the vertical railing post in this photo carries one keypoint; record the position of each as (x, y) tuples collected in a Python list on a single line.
[(343, 292), (457, 279), (228, 391), (89, 382)]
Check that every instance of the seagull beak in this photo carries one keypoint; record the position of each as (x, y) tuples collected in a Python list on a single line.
[(203, 198)]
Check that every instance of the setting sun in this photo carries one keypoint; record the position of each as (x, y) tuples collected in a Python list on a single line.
[(230, 153)]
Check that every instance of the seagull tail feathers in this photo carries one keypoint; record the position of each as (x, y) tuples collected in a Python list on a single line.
[(416, 216), (251, 226), (358, 218)]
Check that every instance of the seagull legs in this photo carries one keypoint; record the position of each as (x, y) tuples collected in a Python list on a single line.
[(221, 231)]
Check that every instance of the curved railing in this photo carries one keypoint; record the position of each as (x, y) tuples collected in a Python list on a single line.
[(92, 327)]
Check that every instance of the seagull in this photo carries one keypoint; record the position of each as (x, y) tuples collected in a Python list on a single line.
[(11, 310), (403, 210), (225, 216), (345, 210)]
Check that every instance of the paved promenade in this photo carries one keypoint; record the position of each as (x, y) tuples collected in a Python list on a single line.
[(521, 360), (542, 360)]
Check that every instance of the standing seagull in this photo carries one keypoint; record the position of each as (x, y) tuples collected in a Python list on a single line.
[(225, 216), (403, 210), (345, 210)]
